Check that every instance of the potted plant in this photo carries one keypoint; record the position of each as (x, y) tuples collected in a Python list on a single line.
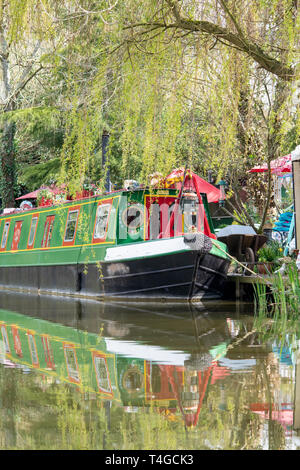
[(45, 197), (268, 257)]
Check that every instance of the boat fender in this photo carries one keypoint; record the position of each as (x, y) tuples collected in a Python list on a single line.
[(198, 242)]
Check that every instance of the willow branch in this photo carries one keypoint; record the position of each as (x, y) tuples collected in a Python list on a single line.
[(238, 40)]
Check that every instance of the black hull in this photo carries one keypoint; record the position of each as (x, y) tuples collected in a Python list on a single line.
[(172, 276)]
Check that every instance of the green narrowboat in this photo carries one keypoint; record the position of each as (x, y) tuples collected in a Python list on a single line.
[(135, 244)]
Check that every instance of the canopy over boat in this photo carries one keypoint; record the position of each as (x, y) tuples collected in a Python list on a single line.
[(34, 194), (174, 180), (194, 183)]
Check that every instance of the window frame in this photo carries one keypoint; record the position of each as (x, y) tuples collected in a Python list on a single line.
[(138, 206), (161, 200), (98, 356), (72, 241), (49, 218), (17, 340), (31, 245), (107, 202), (48, 352), (5, 338), (18, 224), (72, 369), (152, 220), (7, 221), (32, 348)]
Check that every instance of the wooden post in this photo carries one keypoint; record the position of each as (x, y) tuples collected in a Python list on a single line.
[(296, 186), (296, 420)]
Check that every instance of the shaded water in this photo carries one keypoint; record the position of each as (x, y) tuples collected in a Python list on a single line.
[(86, 375)]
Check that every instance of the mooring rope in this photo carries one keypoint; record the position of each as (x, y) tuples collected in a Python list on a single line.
[(237, 261)]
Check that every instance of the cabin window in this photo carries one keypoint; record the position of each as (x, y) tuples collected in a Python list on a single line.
[(178, 218), (5, 339), (5, 235), (133, 380), (155, 377), (102, 374), (133, 217), (32, 231), (17, 235), (155, 222), (71, 225), (102, 216), (48, 231), (71, 361), (49, 358), (159, 209), (33, 350)]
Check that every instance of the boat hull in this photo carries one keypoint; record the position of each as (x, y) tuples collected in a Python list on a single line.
[(172, 276)]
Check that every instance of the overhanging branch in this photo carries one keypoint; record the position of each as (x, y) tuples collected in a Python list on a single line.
[(234, 39)]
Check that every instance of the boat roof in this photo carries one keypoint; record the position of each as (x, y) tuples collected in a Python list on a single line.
[(16, 211)]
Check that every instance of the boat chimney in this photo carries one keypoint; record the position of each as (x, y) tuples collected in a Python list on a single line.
[(105, 140)]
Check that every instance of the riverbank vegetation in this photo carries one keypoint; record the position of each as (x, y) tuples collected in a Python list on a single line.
[(278, 305)]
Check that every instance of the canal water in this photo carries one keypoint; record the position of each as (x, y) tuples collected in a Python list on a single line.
[(116, 376)]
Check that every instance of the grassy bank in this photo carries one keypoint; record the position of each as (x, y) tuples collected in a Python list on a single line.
[(277, 306)]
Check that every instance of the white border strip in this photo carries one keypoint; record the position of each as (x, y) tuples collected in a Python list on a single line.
[(146, 352), (146, 249)]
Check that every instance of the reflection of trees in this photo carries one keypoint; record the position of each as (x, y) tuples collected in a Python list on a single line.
[(276, 432), (38, 413), (262, 386), (8, 407)]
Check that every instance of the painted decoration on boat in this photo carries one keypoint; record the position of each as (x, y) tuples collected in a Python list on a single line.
[(17, 341), (48, 352)]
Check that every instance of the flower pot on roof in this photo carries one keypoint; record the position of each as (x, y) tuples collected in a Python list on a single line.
[(88, 190), (45, 198)]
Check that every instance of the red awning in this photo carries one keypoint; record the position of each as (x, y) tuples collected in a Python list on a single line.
[(280, 165), (284, 415), (34, 194)]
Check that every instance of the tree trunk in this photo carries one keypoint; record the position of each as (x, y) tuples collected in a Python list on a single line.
[(8, 166)]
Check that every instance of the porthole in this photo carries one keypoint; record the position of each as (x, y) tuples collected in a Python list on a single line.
[(133, 380), (133, 216)]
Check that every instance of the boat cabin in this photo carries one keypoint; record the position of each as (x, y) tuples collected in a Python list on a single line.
[(130, 243), (118, 217)]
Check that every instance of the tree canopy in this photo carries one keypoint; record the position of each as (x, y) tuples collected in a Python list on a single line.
[(210, 83)]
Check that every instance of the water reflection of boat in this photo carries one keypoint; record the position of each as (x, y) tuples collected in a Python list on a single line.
[(127, 361), (165, 324)]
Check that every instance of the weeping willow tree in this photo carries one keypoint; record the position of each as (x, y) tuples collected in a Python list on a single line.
[(209, 83), (27, 36), (35, 65)]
